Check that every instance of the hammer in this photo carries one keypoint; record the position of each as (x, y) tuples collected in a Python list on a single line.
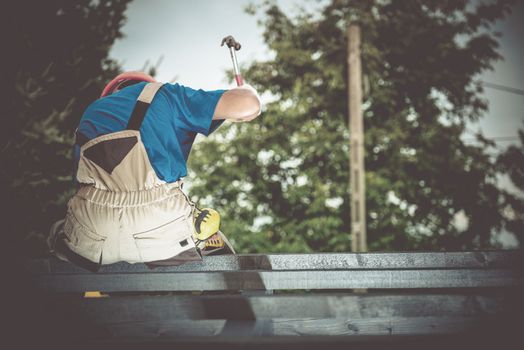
[(233, 45)]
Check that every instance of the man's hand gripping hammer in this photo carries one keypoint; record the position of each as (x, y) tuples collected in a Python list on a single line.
[(233, 46)]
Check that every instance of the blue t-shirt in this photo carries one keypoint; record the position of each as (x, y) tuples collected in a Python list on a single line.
[(175, 116)]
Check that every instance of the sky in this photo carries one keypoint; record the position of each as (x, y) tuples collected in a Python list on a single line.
[(186, 36), (506, 113)]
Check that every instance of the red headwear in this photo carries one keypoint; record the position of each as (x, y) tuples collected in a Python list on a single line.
[(114, 85)]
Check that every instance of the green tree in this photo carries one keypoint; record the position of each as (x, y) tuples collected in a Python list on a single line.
[(281, 182), (58, 64), (511, 162)]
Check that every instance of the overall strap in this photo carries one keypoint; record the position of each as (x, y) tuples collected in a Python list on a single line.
[(142, 104), (137, 116)]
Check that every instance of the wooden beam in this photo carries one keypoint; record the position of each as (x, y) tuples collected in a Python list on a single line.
[(126, 309), (293, 271), (356, 138), (241, 330), (274, 280), (303, 262)]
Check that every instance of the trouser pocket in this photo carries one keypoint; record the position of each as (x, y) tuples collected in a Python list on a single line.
[(82, 240), (165, 241)]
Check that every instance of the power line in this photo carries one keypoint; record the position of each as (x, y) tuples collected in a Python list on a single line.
[(504, 138), (503, 88), (495, 138)]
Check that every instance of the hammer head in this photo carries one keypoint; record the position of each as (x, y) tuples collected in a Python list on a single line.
[(231, 42)]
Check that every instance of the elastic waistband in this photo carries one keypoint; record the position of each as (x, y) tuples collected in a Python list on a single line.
[(128, 199)]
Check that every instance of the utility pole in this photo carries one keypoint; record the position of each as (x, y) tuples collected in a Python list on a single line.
[(356, 139)]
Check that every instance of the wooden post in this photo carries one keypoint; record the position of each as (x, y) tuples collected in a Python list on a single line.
[(356, 138)]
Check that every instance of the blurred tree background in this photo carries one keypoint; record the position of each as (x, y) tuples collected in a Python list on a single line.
[(57, 64), (281, 182)]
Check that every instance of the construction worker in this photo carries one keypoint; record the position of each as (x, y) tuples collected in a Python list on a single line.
[(131, 150)]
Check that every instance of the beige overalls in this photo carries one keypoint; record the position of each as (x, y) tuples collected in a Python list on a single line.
[(123, 211)]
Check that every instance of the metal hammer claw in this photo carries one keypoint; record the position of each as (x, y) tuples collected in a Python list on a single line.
[(233, 46)]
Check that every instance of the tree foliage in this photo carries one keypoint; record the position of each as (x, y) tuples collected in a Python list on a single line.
[(58, 64), (281, 181), (511, 163)]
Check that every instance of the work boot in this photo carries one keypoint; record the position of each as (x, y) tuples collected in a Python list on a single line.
[(55, 234), (218, 244)]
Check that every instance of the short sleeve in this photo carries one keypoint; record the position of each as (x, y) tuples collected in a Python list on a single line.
[(194, 109)]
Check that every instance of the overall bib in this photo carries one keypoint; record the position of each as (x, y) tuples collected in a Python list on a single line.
[(123, 211)]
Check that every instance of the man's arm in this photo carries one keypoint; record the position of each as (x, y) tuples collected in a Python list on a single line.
[(238, 105)]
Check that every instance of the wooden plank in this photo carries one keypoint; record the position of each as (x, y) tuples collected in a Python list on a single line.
[(297, 328), (310, 262), (273, 280), (125, 309)]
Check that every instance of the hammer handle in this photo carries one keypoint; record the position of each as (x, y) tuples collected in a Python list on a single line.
[(238, 76), (239, 80)]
